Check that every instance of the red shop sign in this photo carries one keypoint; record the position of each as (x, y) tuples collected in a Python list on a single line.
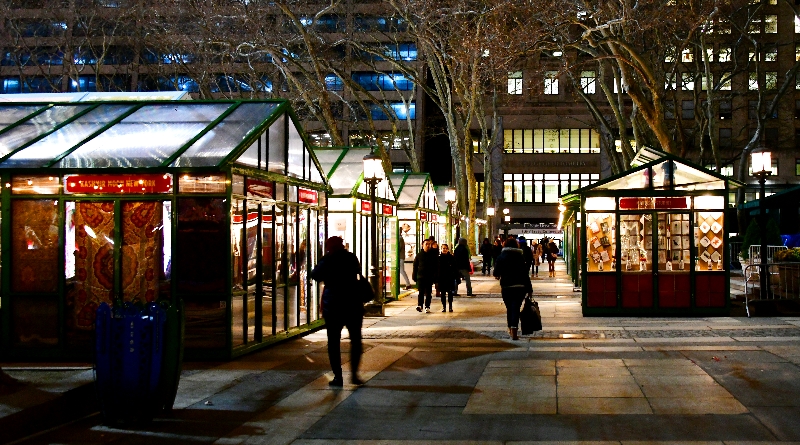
[(261, 189), (635, 203), (387, 209), (306, 196), (671, 203), (423, 216), (434, 218), (124, 183), (251, 216), (366, 206)]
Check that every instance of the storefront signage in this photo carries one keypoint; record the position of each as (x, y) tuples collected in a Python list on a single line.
[(671, 203), (423, 216), (387, 209), (306, 196), (434, 218), (125, 183), (262, 189), (635, 203), (366, 206)]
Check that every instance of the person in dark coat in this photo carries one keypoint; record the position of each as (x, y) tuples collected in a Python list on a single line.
[(527, 252), (552, 256), (426, 267), (486, 253), (341, 307), (461, 254), (447, 277), (497, 247), (515, 282)]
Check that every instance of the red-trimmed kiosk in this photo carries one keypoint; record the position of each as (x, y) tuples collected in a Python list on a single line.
[(652, 240)]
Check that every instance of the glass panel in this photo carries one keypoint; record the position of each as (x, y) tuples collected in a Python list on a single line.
[(601, 233), (34, 246), (35, 185), (146, 250), (689, 178), (12, 114), (292, 260), (277, 146), (348, 171), (302, 264), (280, 261), (296, 148), (253, 278), (280, 308), (46, 150), (238, 252), (90, 277), (189, 183), (215, 145), (673, 242), (36, 321), (201, 242), (634, 231), (146, 138), (268, 266), (36, 126), (252, 156), (709, 236)]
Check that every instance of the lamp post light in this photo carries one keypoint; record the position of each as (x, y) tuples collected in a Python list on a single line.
[(450, 199), (373, 174), (507, 220), (490, 219), (762, 164)]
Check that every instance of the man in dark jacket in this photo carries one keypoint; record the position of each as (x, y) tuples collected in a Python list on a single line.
[(461, 253), (426, 268), (486, 253), (527, 253), (341, 307)]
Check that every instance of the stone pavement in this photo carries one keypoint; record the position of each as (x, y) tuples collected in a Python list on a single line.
[(456, 378)]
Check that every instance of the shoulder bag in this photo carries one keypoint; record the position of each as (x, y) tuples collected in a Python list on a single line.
[(364, 290), (530, 317)]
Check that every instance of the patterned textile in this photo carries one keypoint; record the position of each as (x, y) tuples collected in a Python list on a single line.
[(34, 246)]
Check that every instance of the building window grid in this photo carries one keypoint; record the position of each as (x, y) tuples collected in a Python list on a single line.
[(551, 83), (543, 188), (588, 82), (574, 140), (515, 82)]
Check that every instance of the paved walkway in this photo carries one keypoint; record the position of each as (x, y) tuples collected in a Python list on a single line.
[(454, 378)]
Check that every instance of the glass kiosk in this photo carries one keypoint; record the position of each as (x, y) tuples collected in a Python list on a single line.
[(219, 204), (653, 241)]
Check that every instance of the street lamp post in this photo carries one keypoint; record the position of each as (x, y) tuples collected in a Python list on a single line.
[(490, 218), (762, 164), (507, 221), (373, 174), (450, 199)]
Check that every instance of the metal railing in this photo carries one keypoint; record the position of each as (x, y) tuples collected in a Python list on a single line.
[(783, 282), (755, 253), (734, 249)]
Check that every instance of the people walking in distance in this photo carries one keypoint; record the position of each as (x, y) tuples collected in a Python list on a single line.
[(461, 254), (552, 256), (527, 252), (435, 252), (338, 269), (486, 253), (515, 282), (426, 266), (497, 247), (446, 280), (536, 248), (401, 247)]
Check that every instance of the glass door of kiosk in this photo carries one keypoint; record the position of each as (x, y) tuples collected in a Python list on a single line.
[(673, 252)]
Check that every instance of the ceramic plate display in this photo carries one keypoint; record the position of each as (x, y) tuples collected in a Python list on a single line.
[(604, 256), (715, 256), (704, 215), (716, 227), (705, 256), (676, 227), (594, 227), (704, 241), (676, 242), (716, 242), (704, 227)]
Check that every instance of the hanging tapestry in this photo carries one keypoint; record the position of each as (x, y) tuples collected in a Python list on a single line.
[(142, 253)]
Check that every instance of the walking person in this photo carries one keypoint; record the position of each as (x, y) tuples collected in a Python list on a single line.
[(527, 253), (461, 254), (446, 280), (426, 267), (515, 282), (341, 307), (537, 257), (497, 247), (486, 253), (552, 256)]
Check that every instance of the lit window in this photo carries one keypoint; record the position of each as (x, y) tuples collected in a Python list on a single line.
[(588, 82), (671, 83), (752, 82), (515, 82), (755, 26), (796, 25), (726, 82), (687, 81), (724, 54), (707, 80), (771, 80), (687, 56), (771, 24), (771, 55), (669, 55), (710, 54), (551, 82)]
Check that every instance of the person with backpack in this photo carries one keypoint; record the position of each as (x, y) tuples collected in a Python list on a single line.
[(515, 283)]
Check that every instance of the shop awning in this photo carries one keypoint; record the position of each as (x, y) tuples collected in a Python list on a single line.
[(667, 172), (415, 191), (344, 169), (160, 134)]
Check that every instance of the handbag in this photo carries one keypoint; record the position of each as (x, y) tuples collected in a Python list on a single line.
[(530, 318), (364, 290)]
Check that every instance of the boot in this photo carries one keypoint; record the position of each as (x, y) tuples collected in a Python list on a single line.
[(444, 308), (451, 307), (514, 335)]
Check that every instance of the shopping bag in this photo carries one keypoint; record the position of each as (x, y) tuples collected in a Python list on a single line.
[(364, 289), (471, 268), (529, 317)]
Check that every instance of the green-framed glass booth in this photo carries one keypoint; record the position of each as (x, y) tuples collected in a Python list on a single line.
[(350, 212), (219, 204), (417, 213), (651, 241), (447, 222)]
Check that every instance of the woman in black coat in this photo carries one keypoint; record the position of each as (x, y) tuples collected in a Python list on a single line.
[(515, 282), (447, 277)]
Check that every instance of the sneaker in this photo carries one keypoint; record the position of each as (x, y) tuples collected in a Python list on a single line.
[(427, 310), (419, 308), (337, 381)]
